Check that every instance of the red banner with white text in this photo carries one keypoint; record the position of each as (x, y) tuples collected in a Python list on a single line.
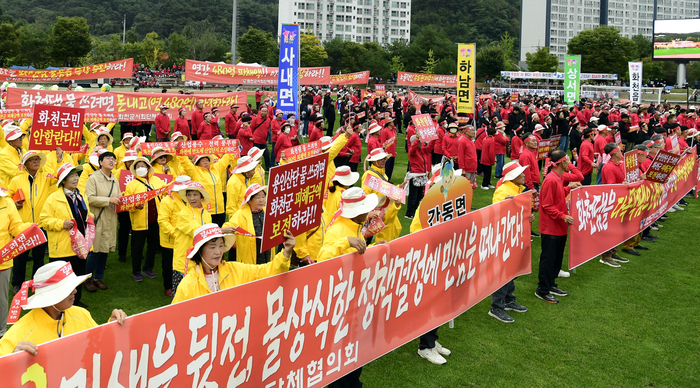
[(116, 69), (419, 79), (607, 215), (250, 75), (123, 106), (28, 239), (360, 78), (310, 326)]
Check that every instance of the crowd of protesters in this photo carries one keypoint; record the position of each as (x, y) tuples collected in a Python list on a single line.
[(215, 197)]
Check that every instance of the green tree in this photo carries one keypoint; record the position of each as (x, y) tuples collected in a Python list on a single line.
[(430, 38), (255, 46), (645, 47), (70, 39), (155, 49), (33, 43), (9, 43), (177, 48), (311, 52), (136, 51), (508, 44), (541, 60), (375, 59), (603, 50), (396, 65), (334, 49), (489, 61), (446, 66), (430, 63)]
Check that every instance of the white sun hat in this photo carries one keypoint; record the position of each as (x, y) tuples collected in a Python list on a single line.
[(177, 135), (245, 164), (181, 182), (129, 156), (195, 186), (377, 154), (345, 176), (200, 157), (513, 170), (208, 232), (53, 283), (160, 151), (326, 142), (65, 170), (252, 190), (374, 127), (13, 132), (255, 153), (30, 154), (94, 158), (132, 168), (354, 202)]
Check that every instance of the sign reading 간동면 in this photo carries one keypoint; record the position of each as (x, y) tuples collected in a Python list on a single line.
[(123, 106), (288, 76), (117, 69), (56, 126), (250, 75), (466, 77), (359, 78), (311, 325), (572, 75), (607, 215), (294, 199), (419, 79)]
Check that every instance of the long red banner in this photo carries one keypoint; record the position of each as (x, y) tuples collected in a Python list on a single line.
[(607, 215), (360, 78), (250, 75), (116, 69), (310, 326), (123, 106), (419, 79), (28, 239)]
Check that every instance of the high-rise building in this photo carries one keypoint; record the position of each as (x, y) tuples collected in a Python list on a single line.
[(552, 23), (381, 21)]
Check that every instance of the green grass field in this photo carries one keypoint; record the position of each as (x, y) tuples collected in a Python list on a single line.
[(634, 326), (676, 51)]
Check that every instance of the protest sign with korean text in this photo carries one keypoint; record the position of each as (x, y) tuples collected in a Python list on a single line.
[(635, 69), (294, 199), (466, 77), (419, 79), (661, 167), (545, 146), (129, 202), (55, 126), (117, 69), (425, 127), (632, 173), (572, 74), (618, 138), (288, 76), (385, 188), (148, 147), (607, 215), (224, 73), (380, 89), (208, 147), (122, 106), (302, 151), (28, 239), (350, 78), (308, 327), (448, 199)]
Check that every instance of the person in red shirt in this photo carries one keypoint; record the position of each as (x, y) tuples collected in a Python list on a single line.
[(245, 134), (500, 140), (315, 129), (613, 172), (260, 127), (206, 128), (438, 151), (230, 121), (197, 119), (294, 132), (450, 142), (466, 155), (529, 158), (276, 127), (599, 141), (283, 141), (388, 139), (587, 157), (419, 160), (554, 226), (373, 140), (488, 158), (162, 125), (352, 151), (258, 98), (181, 124), (516, 144)]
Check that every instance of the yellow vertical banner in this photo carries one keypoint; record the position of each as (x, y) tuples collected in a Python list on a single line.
[(466, 77)]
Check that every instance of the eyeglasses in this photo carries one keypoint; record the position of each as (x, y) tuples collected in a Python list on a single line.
[(110, 159)]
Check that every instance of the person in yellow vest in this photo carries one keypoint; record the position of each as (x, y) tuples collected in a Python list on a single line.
[(103, 139), (250, 217), (35, 188), (212, 274), (11, 225), (259, 177), (377, 158), (144, 219), (177, 136), (103, 193), (242, 177), (164, 163), (57, 158), (11, 155), (123, 147), (167, 220), (65, 208), (53, 312), (512, 184), (207, 172), (5, 124), (123, 218), (191, 217)]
